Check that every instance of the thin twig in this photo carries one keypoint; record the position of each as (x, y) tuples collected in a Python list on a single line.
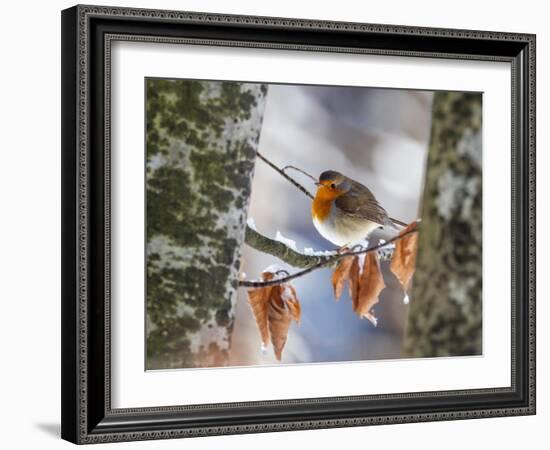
[(320, 264), (301, 171), (398, 222), (292, 180)]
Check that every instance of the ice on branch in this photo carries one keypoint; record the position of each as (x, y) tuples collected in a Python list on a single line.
[(308, 251), (286, 241), (370, 318), (250, 222), (386, 252), (274, 269)]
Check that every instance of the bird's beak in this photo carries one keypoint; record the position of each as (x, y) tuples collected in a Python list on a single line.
[(318, 184)]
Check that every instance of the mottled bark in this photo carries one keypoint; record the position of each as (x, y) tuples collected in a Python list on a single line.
[(202, 139), (290, 256), (445, 311)]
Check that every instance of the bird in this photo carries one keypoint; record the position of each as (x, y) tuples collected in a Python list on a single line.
[(345, 212)]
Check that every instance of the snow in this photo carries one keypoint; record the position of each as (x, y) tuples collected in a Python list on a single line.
[(308, 251), (291, 243), (364, 244), (361, 261), (251, 224), (406, 299), (274, 268), (287, 294), (286, 241), (371, 318), (387, 251)]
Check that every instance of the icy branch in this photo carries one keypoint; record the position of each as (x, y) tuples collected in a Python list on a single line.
[(308, 263), (282, 251), (284, 175)]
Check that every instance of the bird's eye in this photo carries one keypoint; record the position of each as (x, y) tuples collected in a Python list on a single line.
[(333, 186)]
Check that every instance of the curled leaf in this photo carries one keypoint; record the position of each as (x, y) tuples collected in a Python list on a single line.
[(292, 302), (365, 282), (370, 284), (274, 307), (354, 274), (404, 256), (279, 319), (341, 275), (258, 299)]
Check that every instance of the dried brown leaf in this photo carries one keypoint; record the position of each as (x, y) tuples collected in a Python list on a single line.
[(353, 285), (257, 299), (341, 275), (279, 319), (404, 256), (292, 302), (370, 284), (274, 307)]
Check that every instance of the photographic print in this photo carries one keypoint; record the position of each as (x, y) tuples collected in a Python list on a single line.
[(344, 211), (299, 224)]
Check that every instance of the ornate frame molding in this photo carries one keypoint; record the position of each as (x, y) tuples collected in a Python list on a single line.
[(80, 416)]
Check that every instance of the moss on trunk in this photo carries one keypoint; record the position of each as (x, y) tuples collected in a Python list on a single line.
[(202, 139), (445, 311)]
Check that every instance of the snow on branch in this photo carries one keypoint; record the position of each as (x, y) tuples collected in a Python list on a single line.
[(308, 262), (280, 249)]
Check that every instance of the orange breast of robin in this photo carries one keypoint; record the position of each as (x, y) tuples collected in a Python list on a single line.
[(320, 209)]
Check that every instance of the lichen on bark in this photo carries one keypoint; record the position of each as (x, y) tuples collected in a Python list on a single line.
[(445, 314), (201, 141)]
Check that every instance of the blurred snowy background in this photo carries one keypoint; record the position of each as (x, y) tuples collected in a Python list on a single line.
[(378, 137)]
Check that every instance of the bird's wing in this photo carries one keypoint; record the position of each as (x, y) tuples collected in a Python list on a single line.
[(359, 201)]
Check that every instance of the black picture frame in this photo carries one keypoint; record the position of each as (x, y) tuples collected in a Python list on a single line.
[(87, 416)]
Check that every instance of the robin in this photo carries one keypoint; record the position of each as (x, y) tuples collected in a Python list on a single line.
[(344, 211)]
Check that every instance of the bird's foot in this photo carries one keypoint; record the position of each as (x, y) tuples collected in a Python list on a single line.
[(342, 249)]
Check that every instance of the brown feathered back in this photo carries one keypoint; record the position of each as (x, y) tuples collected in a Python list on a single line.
[(359, 201)]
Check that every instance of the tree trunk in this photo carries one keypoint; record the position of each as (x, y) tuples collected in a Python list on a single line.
[(202, 139), (445, 312)]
